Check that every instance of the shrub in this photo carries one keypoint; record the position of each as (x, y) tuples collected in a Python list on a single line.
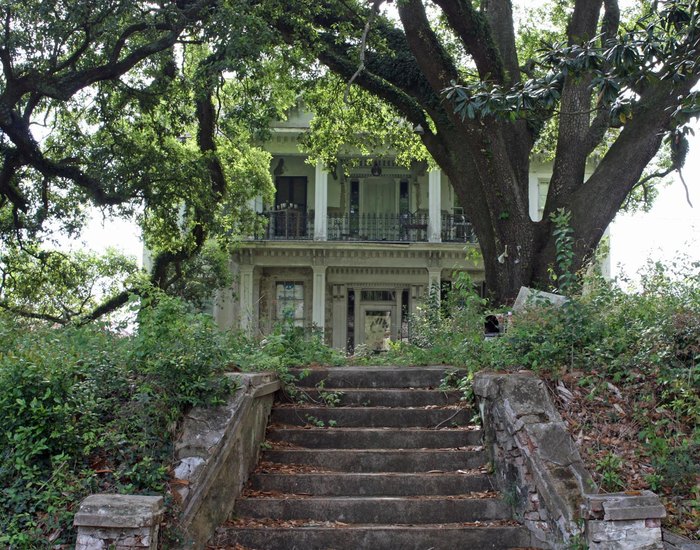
[(84, 409), (447, 331)]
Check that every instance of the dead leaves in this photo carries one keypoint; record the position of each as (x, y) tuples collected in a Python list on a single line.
[(605, 417)]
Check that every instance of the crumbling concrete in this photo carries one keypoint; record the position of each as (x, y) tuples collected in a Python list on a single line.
[(217, 450), (119, 522), (528, 297), (624, 521), (537, 464)]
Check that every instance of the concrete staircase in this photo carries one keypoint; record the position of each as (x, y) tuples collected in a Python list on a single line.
[(393, 464)]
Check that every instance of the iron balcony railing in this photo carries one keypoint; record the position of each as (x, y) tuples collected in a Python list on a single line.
[(287, 225), (455, 228), (378, 227), (291, 224)]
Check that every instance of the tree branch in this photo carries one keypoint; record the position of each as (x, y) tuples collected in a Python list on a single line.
[(584, 21), (363, 46), (574, 122), (611, 22), (473, 30), (18, 131), (73, 58), (109, 306), (500, 16), (431, 57), (32, 314)]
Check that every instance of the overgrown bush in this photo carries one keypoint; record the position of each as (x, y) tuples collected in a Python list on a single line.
[(448, 331), (286, 346), (83, 410), (644, 344)]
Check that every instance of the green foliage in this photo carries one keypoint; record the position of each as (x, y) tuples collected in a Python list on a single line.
[(563, 277), (454, 381), (329, 398), (447, 332), (60, 286), (610, 467), (679, 467), (86, 410), (287, 346), (364, 124), (202, 275), (649, 340), (137, 119)]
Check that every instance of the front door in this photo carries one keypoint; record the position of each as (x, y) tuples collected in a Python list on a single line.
[(377, 320), (378, 326), (379, 207)]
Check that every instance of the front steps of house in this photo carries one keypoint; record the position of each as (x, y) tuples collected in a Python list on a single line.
[(394, 464)]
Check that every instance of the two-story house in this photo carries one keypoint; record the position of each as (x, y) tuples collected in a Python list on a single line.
[(352, 252)]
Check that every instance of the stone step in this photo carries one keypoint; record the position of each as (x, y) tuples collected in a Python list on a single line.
[(372, 417), (394, 463), (376, 397), (377, 537), (380, 460), (377, 484), (394, 510), (371, 377), (375, 438)]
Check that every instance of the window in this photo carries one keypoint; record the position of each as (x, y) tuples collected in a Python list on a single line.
[(404, 202), (378, 296), (290, 302)]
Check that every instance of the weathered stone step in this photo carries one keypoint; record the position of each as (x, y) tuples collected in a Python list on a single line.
[(380, 460), (397, 510), (379, 397), (371, 377), (377, 537), (375, 438), (377, 484), (372, 417)]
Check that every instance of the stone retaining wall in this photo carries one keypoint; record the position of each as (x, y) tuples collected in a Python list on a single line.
[(540, 472), (218, 448)]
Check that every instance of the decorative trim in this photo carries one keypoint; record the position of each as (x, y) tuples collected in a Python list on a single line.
[(377, 271)]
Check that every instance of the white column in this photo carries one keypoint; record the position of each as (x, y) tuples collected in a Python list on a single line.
[(340, 317), (318, 305), (434, 203), (434, 277), (246, 297), (533, 195), (321, 204)]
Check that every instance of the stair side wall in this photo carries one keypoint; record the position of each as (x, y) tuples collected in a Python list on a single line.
[(541, 474), (215, 454), (535, 461)]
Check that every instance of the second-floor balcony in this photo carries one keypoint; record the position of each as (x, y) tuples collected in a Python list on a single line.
[(295, 224)]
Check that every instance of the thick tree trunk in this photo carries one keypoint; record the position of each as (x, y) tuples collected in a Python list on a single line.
[(499, 213)]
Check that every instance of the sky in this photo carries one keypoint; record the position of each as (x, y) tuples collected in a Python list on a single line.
[(670, 229)]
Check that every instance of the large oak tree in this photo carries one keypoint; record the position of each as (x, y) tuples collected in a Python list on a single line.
[(152, 107), (122, 105), (454, 69)]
